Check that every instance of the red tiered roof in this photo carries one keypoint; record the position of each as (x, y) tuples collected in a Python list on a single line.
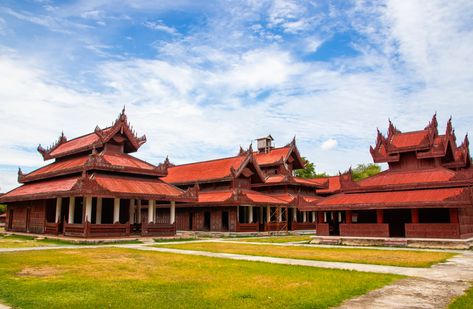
[(277, 156), (49, 187), (62, 147), (333, 185), (203, 171), (408, 177), (425, 143), (446, 197), (137, 186), (237, 197)]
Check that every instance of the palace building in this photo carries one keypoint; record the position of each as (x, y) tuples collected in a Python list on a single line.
[(95, 188), (250, 192), (427, 191)]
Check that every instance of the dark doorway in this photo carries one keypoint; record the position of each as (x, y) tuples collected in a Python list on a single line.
[(397, 218), (334, 223), (28, 218), (290, 218), (51, 211), (207, 220), (191, 220), (64, 213), (225, 220), (263, 218), (10, 219)]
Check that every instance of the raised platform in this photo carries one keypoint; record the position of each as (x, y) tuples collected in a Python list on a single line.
[(431, 243)]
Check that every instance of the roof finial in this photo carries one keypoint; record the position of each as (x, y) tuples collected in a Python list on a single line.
[(123, 110)]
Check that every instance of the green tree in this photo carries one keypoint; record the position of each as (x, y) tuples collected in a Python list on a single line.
[(362, 171), (309, 171), (3, 208)]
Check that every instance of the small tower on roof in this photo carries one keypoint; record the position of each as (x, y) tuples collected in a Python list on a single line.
[(265, 144)]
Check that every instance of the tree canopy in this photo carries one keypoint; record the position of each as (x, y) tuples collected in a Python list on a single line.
[(309, 171), (362, 171)]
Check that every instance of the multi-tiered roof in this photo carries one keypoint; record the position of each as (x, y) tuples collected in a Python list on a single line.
[(98, 164)]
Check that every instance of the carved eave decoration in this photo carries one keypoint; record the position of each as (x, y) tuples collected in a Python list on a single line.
[(294, 150), (346, 181), (45, 152), (122, 126), (250, 159), (162, 168)]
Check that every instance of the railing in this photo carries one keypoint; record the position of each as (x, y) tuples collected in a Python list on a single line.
[(107, 230), (247, 227), (51, 228), (433, 230), (158, 229), (275, 226), (322, 229), (74, 229), (303, 225), (364, 229)]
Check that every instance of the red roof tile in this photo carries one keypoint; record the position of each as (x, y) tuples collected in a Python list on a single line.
[(214, 196), (60, 165), (273, 156), (116, 159), (127, 185), (123, 159), (275, 179), (259, 197), (202, 171), (77, 143), (48, 186), (407, 177), (390, 198), (333, 185), (409, 139)]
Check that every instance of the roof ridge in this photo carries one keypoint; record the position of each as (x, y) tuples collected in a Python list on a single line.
[(207, 161)]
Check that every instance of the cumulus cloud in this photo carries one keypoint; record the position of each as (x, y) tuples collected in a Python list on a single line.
[(329, 144)]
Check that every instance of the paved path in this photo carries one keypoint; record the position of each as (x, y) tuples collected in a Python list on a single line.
[(432, 287)]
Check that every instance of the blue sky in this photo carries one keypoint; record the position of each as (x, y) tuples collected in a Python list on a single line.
[(201, 78)]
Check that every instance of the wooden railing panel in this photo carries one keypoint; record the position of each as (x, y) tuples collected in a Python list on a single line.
[(247, 227)]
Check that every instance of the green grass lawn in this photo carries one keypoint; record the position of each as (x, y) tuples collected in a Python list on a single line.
[(463, 302), (276, 239), (127, 278), (21, 241), (407, 258)]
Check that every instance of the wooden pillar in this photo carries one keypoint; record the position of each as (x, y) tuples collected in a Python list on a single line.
[(173, 212), (294, 215), (453, 215), (139, 211), (131, 212), (250, 214), (304, 216), (58, 209), (415, 215), (379, 216), (116, 210), (98, 211), (313, 216), (279, 214), (72, 204), (88, 209), (268, 214), (348, 216), (320, 217), (151, 210)]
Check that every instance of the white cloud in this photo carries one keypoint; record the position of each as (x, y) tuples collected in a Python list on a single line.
[(160, 26), (329, 144)]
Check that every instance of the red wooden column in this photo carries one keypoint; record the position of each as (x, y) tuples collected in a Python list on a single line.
[(348, 216), (320, 217), (379, 216), (415, 215), (453, 215)]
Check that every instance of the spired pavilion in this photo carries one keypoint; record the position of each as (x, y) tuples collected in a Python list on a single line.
[(94, 188), (427, 191)]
